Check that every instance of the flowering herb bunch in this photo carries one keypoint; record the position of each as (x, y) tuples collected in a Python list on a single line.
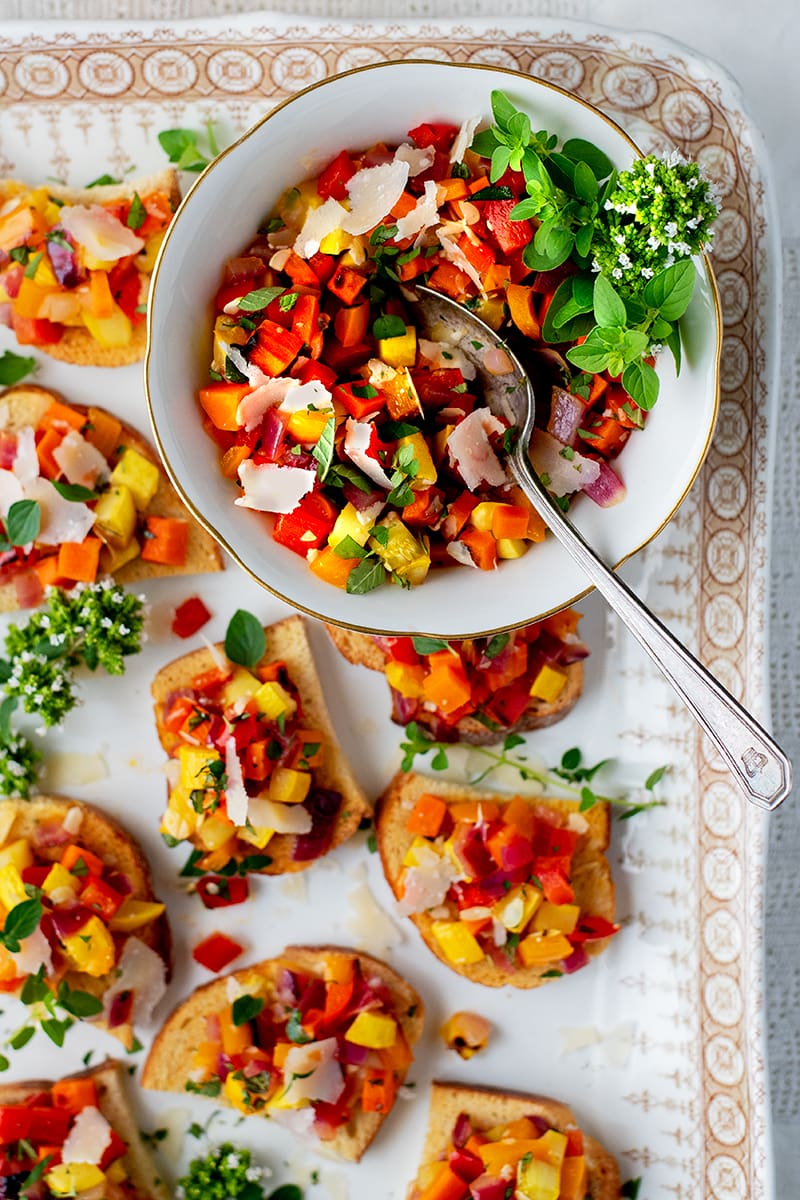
[(623, 240)]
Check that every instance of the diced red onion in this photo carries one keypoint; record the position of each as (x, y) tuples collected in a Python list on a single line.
[(49, 834), (579, 958), (323, 804), (355, 1055), (361, 501), (541, 1123), (69, 921), (608, 489), (120, 882), (28, 587), (404, 708), (12, 281), (244, 268), (574, 652), (63, 260), (462, 1130), (488, 1187), (121, 1009), (566, 416), (273, 434)]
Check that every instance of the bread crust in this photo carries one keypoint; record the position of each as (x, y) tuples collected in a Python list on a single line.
[(487, 1107), (115, 1106), (591, 874), (77, 345), (24, 404), (286, 640), (362, 650), (106, 838), (166, 1066)]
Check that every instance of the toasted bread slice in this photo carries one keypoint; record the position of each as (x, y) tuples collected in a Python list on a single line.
[(77, 344), (24, 405), (591, 874), (287, 641), (168, 1064), (487, 1108), (115, 1106), (104, 837), (363, 650)]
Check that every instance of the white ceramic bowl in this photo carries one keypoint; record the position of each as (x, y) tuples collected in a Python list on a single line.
[(221, 214)]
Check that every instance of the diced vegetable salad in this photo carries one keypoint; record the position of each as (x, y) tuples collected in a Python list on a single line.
[(310, 1050), (369, 442)]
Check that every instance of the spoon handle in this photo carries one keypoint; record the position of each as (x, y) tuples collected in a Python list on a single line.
[(760, 766)]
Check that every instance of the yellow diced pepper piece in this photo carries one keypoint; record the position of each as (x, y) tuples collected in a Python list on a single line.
[(235, 1093), (274, 701), (335, 242), (195, 761), (405, 678), (287, 786), (17, 854), (512, 547), (59, 877), (176, 826), (241, 683), (69, 1179), (540, 948), (537, 1180), (426, 471), (418, 843), (44, 276), (227, 332), (456, 942), (350, 523), (116, 1173), (306, 425), (399, 351), (139, 474), (12, 889), (482, 515), (375, 1030), (115, 330), (114, 557), (215, 832), (548, 684), (257, 835), (91, 949), (492, 310), (402, 549), (516, 909), (133, 914), (440, 442), (146, 258), (115, 515), (556, 918)]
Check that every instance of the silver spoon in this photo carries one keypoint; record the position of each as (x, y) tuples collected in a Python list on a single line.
[(758, 764)]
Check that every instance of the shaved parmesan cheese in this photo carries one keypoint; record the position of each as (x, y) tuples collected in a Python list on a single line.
[(471, 453), (140, 970), (10, 492), (357, 440), (271, 488), (280, 258), (101, 234), (461, 554), (320, 222), (251, 408), (425, 885), (373, 193), (74, 817), (253, 374), (80, 461), (236, 799), (570, 474), (283, 818), (88, 1139), (454, 254), (34, 952), (424, 213), (464, 138), (26, 460), (219, 659), (313, 394), (62, 520), (371, 928), (313, 1073), (418, 160), (296, 1120)]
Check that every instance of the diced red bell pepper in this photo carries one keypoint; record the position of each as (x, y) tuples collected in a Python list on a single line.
[(216, 951), (333, 179), (275, 348), (305, 323), (337, 1000), (34, 1124), (125, 283), (360, 399), (478, 253), (74, 854), (574, 1143), (115, 1149), (590, 928), (307, 526), (346, 284), (35, 331), (323, 266), (509, 703), (344, 360), (509, 235), (552, 872), (514, 180), (425, 507), (189, 617), (437, 388), (217, 891), (553, 839), (465, 1164), (458, 514), (311, 369), (429, 133), (35, 875), (178, 712), (300, 273), (101, 898)]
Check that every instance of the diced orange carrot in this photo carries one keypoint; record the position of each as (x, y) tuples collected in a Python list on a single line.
[(452, 189), (103, 431), (404, 205), (48, 572), (44, 449), (446, 1185), (477, 185), (482, 547), (101, 302), (447, 686), (496, 277), (73, 853), (220, 402), (74, 1094), (520, 305), (61, 415), (563, 623), (520, 814), (351, 324), (597, 387), (473, 810), (166, 540), (346, 284), (536, 526), (448, 279), (80, 560), (510, 521), (379, 1091), (427, 816)]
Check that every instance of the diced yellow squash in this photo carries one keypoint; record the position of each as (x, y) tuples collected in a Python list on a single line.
[(12, 889), (512, 547), (241, 683), (57, 878), (556, 918), (114, 557), (540, 948), (426, 471), (116, 1173), (146, 258), (195, 761), (70, 1179), (287, 786), (419, 843), (456, 942), (350, 523), (18, 854), (133, 914), (115, 515), (375, 1030), (235, 1093), (492, 311), (115, 330), (399, 351), (257, 835), (306, 426), (139, 474), (335, 242), (91, 950), (537, 1180), (405, 678), (516, 909), (274, 701), (178, 826), (215, 832), (482, 515), (227, 332), (403, 553), (548, 684)]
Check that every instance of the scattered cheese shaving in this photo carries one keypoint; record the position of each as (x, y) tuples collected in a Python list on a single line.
[(464, 138), (88, 1139), (64, 769), (371, 928), (272, 488)]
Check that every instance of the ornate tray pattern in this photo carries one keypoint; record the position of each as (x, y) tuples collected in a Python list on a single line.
[(69, 99)]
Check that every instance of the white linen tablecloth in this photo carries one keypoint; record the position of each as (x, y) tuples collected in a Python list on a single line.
[(760, 49)]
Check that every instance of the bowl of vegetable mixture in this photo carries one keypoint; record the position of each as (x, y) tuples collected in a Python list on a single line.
[(344, 455)]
